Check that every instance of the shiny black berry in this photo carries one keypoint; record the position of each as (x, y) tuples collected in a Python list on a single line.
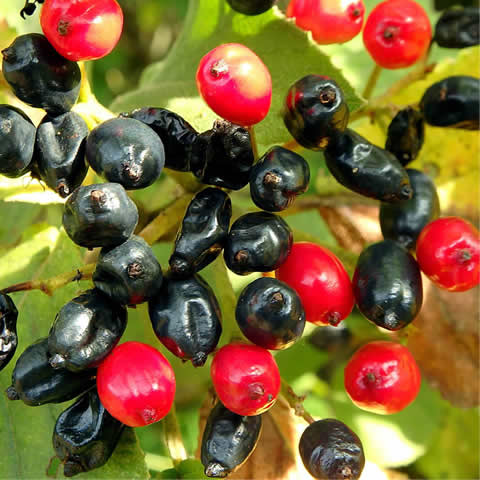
[(128, 273), (404, 221), (59, 156), (8, 330), (257, 242), (270, 314), (126, 151), (277, 178), (251, 7), (458, 28), (331, 451), (228, 441), (186, 317), (387, 285), (36, 382), (405, 135), (203, 233), (100, 215), (85, 331), (17, 140), (39, 75), (367, 169), (453, 102), (223, 156), (85, 435), (177, 135), (314, 110)]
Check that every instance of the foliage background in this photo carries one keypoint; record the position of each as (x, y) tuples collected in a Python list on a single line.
[(437, 436)]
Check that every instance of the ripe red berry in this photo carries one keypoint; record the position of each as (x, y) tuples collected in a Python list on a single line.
[(136, 384), (382, 377), (321, 282), (397, 33), (448, 252), (83, 29), (330, 21), (246, 378), (235, 83)]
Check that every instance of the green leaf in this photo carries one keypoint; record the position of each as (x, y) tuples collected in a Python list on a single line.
[(288, 53), (26, 432)]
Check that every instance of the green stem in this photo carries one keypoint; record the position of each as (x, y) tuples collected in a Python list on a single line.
[(253, 141), (173, 438), (372, 81), (295, 402)]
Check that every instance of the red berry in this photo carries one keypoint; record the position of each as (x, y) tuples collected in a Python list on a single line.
[(321, 282), (136, 384), (246, 378), (397, 33), (448, 252), (382, 377), (82, 29), (235, 83), (330, 21)]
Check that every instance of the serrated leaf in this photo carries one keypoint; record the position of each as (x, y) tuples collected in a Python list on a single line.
[(288, 52), (26, 432)]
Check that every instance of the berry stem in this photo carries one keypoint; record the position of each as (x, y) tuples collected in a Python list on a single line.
[(173, 437), (293, 145), (253, 141), (372, 81), (295, 402)]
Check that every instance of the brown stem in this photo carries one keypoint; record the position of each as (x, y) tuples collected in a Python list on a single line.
[(295, 402), (372, 81), (253, 141), (293, 145), (173, 437)]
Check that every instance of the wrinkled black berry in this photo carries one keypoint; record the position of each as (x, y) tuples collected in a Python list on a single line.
[(186, 317), (85, 435), (85, 331), (251, 7), (228, 441), (17, 139), (331, 451), (8, 330), (458, 28), (270, 314), (203, 233), (100, 215), (404, 221), (36, 382), (39, 75), (126, 151), (257, 242), (367, 169), (223, 156), (277, 178), (59, 155), (453, 102), (405, 135), (315, 109), (177, 135), (387, 285), (129, 273)]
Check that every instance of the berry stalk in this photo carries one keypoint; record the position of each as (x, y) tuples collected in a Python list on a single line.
[(295, 402), (173, 437)]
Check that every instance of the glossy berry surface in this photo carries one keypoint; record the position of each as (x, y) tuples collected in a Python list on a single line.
[(382, 377), (136, 384), (257, 242), (321, 282), (397, 33), (8, 330), (128, 273), (448, 252), (330, 21), (126, 151), (315, 109), (277, 178), (99, 215), (330, 450), (270, 314), (251, 7), (84, 29), (39, 76), (246, 378), (235, 84), (458, 28)]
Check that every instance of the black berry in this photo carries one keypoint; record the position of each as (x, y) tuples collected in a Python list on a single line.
[(8, 330), (251, 7), (458, 28)]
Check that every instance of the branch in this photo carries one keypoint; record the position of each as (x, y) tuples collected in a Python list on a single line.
[(295, 402), (173, 438)]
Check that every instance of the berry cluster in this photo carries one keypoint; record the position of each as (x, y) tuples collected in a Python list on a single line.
[(133, 383)]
